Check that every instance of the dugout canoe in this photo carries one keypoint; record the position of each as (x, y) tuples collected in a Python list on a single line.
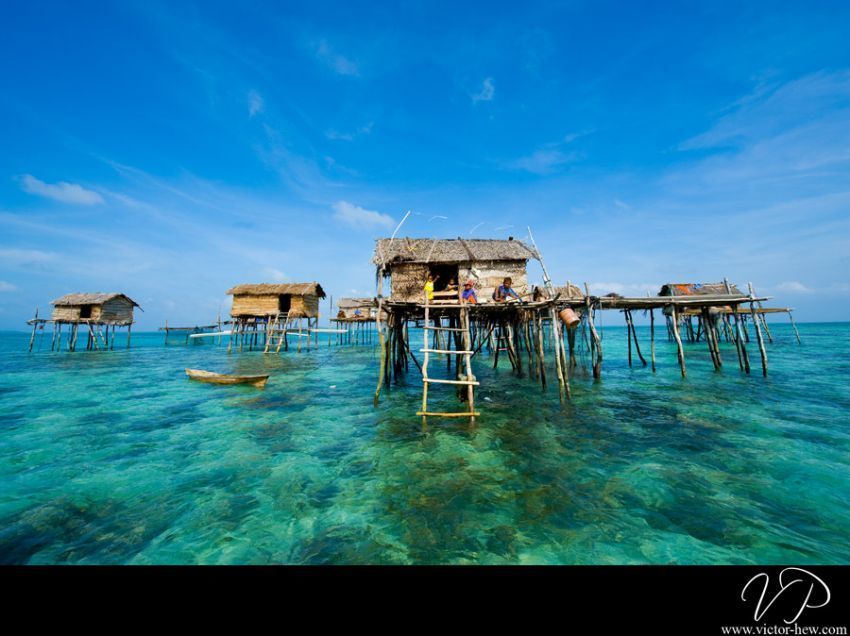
[(258, 381)]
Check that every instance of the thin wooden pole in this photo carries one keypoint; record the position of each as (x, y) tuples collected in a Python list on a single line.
[(34, 327), (758, 331), (381, 337), (652, 337), (794, 326), (680, 349), (562, 387), (597, 364)]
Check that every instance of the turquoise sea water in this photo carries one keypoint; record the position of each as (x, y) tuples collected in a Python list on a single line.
[(118, 458)]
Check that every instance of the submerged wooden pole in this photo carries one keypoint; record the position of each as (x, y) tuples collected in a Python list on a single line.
[(381, 338), (634, 335), (796, 333), (34, 327), (597, 364), (758, 332), (652, 337), (680, 349), (562, 385)]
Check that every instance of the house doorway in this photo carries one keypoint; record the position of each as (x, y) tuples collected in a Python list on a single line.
[(85, 311), (284, 303)]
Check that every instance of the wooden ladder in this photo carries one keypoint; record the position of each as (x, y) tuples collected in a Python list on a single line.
[(467, 354), (276, 331)]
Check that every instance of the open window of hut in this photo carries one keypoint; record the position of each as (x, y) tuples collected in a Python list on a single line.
[(443, 274), (85, 311)]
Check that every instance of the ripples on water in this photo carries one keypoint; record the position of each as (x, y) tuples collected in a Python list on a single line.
[(118, 458)]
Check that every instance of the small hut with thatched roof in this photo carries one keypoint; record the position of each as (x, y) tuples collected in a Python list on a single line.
[(108, 309), (409, 261), (100, 315), (298, 300), (265, 314), (357, 309)]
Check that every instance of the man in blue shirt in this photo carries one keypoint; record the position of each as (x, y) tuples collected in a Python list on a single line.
[(505, 291)]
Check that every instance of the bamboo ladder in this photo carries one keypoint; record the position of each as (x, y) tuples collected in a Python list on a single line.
[(276, 331), (466, 352)]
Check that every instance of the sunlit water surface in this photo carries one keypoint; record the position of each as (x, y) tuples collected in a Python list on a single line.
[(118, 458)]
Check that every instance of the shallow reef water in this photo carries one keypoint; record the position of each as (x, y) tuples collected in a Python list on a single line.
[(117, 458)]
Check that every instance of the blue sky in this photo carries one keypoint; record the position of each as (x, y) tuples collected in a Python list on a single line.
[(171, 150)]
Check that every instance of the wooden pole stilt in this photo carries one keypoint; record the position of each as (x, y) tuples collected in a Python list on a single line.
[(34, 327), (794, 326), (652, 337), (680, 349), (597, 343), (758, 332)]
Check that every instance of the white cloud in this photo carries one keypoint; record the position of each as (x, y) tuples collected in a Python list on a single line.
[(255, 103), (62, 191), (7, 287), (338, 63), (543, 161), (358, 217), (26, 257), (488, 90), (794, 287), (336, 135)]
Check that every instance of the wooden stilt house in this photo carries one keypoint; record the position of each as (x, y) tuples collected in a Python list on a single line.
[(265, 314)]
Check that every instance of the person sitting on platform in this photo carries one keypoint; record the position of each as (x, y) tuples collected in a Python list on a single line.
[(452, 286), (505, 291), (468, 295)]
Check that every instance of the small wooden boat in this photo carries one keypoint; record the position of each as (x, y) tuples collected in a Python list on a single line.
[(258, 381)]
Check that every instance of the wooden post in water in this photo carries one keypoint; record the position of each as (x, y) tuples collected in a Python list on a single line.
[(597, 364), (796, 333), (652, 337), (758, 331), (34, 327), (381, 338), (680, 349)]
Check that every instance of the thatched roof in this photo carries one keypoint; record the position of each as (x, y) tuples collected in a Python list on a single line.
[(428, 250), (277, 289), (97, 298), (572, 292), (698, 289), (354, 303)]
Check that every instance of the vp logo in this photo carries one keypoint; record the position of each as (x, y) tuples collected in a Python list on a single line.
[(800, 588)]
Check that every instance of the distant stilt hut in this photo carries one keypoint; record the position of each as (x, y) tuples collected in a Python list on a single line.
[(100, 316), (265, 315), (354, 320)]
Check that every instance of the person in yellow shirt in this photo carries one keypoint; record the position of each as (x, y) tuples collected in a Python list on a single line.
[(429, 286)]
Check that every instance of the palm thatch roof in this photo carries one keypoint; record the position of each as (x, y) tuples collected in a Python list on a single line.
[(459, 250), (569, 292), (97, 298), (699, 289), (277, 289), (355, 303)]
